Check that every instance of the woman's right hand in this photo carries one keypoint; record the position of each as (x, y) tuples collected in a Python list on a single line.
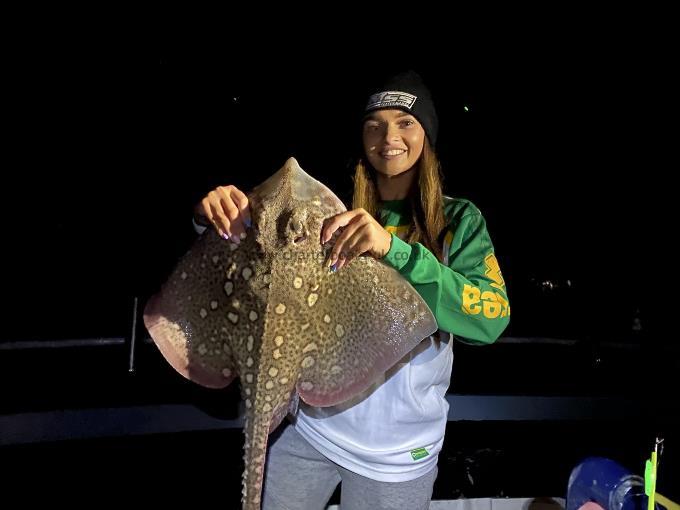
[(226, 208)]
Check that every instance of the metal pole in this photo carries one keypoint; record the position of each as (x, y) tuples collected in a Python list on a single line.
[(133, 338)]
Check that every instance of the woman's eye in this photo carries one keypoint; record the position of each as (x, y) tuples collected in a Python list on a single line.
[(407, 123)]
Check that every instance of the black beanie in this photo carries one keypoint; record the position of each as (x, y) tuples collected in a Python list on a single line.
[(407, 92)]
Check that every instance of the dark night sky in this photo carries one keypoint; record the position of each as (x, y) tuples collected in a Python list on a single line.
[(110, 151), (557, 133)]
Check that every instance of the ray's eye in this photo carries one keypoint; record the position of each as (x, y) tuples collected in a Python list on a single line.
[(298, 229)]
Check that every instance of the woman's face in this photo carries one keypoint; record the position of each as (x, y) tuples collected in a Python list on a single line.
[(393, 141)]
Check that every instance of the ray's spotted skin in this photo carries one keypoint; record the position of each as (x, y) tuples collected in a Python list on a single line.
[(270, 312)]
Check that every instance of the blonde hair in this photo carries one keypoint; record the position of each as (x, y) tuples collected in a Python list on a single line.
[(426, 198)]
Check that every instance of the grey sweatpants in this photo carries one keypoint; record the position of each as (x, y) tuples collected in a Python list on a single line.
[(298, 477)]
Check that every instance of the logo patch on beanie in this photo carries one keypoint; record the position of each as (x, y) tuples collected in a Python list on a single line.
[(391, 98)]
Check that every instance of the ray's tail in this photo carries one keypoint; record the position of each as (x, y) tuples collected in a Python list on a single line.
[(256, 435)]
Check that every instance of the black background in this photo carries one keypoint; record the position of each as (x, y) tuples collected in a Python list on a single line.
[(112, 150), (557, 135)]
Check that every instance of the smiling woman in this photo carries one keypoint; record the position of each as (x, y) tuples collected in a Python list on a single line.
[(383, 446)]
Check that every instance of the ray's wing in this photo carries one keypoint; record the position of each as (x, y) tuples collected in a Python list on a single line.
[(350, 326), (203, 315)]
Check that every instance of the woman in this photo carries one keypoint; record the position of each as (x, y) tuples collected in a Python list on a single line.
[(383, 445)]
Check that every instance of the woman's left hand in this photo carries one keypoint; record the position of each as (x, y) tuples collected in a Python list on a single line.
[(361, 234)]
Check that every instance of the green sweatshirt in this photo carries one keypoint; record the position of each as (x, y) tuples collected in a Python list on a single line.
[(465, 291)]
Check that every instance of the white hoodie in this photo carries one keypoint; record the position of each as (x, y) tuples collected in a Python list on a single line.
[(393, 431)]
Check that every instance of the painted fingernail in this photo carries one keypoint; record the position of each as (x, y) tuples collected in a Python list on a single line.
[(248, 222), (224, 236), (235, 239)]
